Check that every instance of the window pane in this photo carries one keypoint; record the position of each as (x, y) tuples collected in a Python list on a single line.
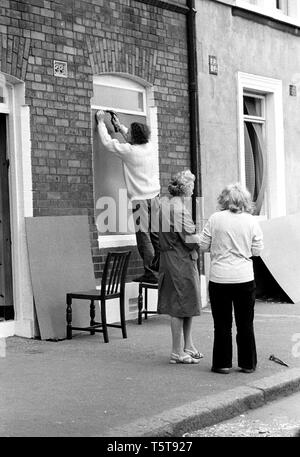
[(253, 106), (282, 5), (118, 98)]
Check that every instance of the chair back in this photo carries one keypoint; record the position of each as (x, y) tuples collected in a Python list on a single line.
[(114, 273)]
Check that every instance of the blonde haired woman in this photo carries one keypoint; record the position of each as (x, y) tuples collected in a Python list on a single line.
[(178, 283), (233, 236)]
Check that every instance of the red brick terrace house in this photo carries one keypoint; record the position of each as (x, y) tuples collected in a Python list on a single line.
[(59, 62)]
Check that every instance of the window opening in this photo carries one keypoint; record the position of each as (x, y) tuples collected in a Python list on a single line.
[(128, 99)]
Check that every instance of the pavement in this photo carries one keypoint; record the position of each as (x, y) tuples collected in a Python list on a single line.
[(126, 388)]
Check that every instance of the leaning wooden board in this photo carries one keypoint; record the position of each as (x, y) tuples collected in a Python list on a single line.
[(60, 261), (281, 252)]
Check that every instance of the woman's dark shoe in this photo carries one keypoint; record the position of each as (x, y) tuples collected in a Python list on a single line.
[(247, 370), (220, 370)]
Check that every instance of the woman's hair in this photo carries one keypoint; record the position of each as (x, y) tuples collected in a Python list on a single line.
[(235, 198), (180, 183), (140, 133)]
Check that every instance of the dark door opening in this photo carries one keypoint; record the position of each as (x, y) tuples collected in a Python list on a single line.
[(6, 286)]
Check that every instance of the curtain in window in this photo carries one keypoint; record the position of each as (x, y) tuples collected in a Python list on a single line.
[(255, 162)]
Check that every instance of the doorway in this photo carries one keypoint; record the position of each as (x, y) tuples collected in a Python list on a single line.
[(6, 283), (261, 143)]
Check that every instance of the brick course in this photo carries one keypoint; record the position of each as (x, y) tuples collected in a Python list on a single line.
[(92, 37)]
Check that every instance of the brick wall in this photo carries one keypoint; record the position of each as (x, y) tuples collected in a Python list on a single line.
[(92, 36)]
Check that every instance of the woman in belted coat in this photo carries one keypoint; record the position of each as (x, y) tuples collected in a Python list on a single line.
[(179, 283)]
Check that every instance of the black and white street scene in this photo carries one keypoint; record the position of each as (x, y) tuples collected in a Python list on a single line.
[(149, 222)]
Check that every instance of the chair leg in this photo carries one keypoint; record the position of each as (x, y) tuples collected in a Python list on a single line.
[(122, 316), (69, 317), (140, 304), (146, 303), (92, 316), (103, 321)]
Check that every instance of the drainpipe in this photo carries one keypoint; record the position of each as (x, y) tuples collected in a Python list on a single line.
[(193, 103), (198, 210)]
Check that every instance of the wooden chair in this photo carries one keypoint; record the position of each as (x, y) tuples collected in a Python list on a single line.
[(143, 304), (112, 286)]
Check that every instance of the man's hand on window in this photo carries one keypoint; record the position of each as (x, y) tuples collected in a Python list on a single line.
[(100, 115), (116, 123)]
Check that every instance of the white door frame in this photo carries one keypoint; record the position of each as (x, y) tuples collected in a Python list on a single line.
[(20, 187), (272, 89)]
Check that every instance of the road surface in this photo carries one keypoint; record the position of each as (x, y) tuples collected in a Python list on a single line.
[(280, 418)]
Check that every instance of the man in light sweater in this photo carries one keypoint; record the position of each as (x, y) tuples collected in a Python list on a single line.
[(141, 174)]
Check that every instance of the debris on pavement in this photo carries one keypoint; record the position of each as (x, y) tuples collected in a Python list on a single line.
[(276, 360)]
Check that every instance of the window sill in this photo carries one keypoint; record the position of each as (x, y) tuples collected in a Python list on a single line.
[(113, 241)]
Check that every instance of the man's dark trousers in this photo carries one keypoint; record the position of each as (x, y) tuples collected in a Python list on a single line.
[(146, 216)]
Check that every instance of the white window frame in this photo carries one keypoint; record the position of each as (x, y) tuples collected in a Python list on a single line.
[(121, 83), (268, 8), (259, 119), (284, 3), (127, 82), (271, 89)]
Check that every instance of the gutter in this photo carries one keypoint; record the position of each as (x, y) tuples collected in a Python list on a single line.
[(166, 5)]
